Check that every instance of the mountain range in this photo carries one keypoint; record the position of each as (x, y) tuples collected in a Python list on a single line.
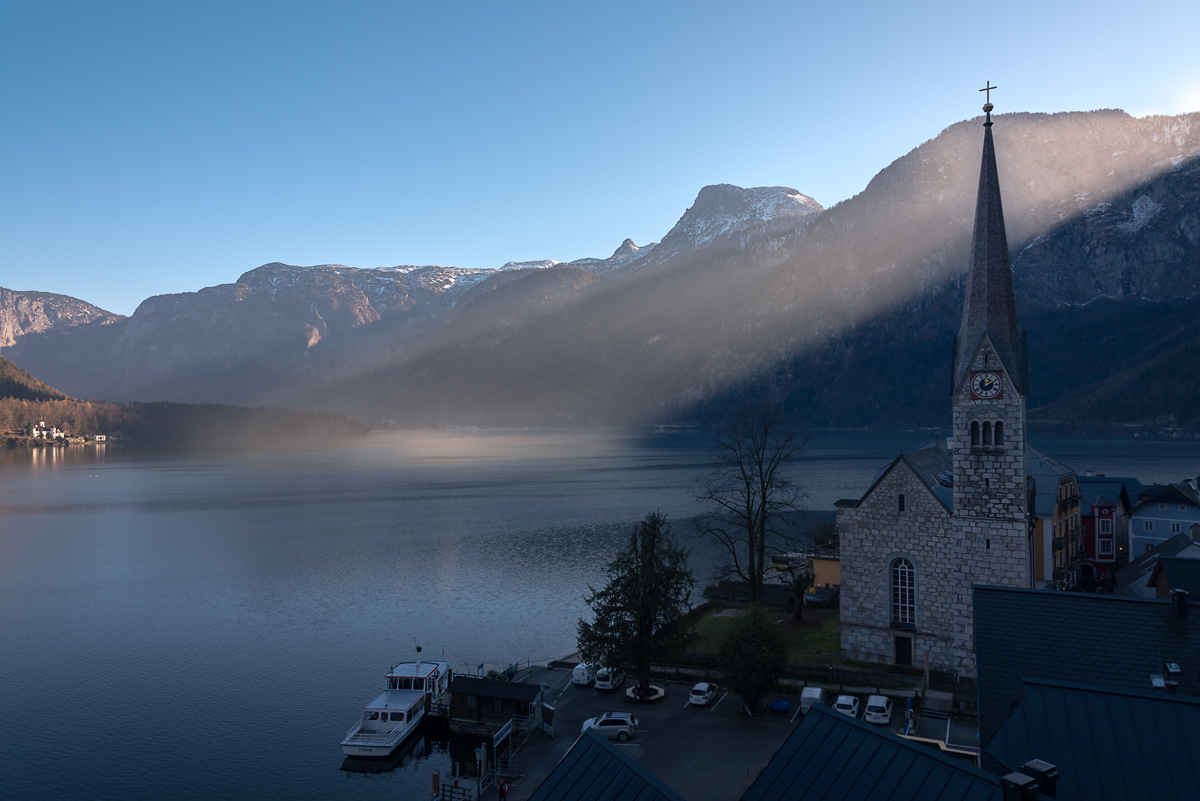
[(843, 315)]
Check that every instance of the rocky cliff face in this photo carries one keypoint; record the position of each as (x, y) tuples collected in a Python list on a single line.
[(24, 313)]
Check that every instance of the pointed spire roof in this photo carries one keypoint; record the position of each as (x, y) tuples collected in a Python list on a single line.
[(988, 303)]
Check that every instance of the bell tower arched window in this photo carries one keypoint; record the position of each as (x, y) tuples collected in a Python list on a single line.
[(904, 591), (999, 433), (974, 433), (987, 433)]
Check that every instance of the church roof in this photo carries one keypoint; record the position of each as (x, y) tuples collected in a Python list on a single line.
[(1106, 743), (831, 757), (1047, 474), (930, 462), (1075, 636), (988, 304)]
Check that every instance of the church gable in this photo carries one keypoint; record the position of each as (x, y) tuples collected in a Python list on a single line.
[(903, 488)]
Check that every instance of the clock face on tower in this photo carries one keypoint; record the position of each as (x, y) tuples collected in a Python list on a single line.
[(985, 385)]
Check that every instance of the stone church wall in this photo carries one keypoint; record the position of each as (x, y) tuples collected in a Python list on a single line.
[(872, 536), (949, 553)]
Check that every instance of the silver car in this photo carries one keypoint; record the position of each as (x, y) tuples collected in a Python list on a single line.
[(613, 725)]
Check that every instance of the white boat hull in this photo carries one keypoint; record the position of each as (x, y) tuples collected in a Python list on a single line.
[(377, 744)]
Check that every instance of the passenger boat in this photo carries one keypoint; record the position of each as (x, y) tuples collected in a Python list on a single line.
[(395, 713)]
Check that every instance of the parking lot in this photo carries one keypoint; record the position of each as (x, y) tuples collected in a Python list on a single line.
[(702, 753)]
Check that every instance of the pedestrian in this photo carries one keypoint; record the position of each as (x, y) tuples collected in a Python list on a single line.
[(502, 789)]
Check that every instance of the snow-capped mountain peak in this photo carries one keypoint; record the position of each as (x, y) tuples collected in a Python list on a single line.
[(724, 209)]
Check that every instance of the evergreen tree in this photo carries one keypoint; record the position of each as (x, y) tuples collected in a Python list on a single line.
[(640, 615), (753, 657)]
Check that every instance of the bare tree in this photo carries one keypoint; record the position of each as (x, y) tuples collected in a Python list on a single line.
[(749, 493)]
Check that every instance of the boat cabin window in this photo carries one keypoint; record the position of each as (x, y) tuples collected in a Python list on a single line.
[(373, 716)]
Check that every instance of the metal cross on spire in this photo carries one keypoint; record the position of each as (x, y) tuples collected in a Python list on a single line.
[(987, 106)]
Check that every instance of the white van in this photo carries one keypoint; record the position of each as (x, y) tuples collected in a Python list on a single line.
[(609, 678), (810, 696), (583, 675)]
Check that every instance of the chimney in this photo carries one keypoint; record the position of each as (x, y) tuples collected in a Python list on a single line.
[(1044, 773), (1179, 599), (1019, 787)]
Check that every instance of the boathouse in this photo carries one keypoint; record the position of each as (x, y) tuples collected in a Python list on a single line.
[(486, 705)]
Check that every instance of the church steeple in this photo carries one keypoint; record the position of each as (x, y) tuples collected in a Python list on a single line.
[(988, 303)]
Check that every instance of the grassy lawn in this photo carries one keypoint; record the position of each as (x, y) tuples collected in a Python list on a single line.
[(813, 639)]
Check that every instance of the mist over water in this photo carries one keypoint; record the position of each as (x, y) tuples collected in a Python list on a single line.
[(207, 622)]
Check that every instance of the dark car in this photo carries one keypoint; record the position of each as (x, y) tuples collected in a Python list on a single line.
[(823, 597)]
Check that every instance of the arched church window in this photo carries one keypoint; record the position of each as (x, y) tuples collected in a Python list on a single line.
[(901, 502), (987, 433), (904, 591), (999, 433), (975, 433)]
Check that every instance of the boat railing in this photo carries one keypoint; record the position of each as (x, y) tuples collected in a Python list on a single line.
[(356, 733)]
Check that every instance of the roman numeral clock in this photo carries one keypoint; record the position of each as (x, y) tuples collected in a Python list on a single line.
[(986, 385)]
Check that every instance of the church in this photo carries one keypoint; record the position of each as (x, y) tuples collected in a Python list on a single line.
[(954, 513)]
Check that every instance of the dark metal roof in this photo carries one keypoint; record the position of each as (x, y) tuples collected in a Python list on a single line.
[(1106, 743), (831, 757), (1048, 472), (1168, 493), (988, 305), (774, 595), (1132, 579), (1093, 488), (1073, 636), (489, 688), (596, 770), (1182, 574)]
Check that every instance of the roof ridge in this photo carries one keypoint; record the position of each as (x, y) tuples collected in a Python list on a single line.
[(1107, 690), (1091, 595)]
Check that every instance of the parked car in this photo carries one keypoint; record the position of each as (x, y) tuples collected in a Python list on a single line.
[(847, 705), (702, 694), (609, 678), (810, 696), (879, 709), (584, 675), (613, 725), (825, 597)]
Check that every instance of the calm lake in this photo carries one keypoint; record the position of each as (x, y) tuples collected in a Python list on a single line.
[(202, 623)]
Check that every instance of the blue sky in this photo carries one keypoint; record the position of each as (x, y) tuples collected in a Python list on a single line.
[(162, 147)]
